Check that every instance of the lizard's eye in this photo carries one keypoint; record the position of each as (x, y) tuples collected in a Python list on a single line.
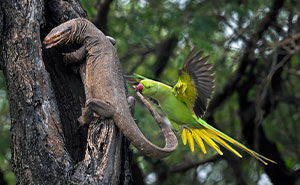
[(58, 35)]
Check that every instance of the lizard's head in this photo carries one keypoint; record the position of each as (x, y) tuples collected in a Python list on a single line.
[(148, 87), (59, 35)]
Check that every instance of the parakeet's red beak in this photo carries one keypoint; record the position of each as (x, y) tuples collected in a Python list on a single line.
[(139, 88)]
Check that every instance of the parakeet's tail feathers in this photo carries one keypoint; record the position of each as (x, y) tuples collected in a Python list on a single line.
[(218, 136), (199, 83), (212, 136), (208, 136)]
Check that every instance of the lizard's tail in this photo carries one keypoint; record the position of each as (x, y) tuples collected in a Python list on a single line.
[(129, 128)]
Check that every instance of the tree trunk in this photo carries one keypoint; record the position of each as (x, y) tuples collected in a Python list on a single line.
[(46, 98)]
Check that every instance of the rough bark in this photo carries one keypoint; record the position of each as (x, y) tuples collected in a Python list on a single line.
[(1, 34), (38, 150), (45, 101)]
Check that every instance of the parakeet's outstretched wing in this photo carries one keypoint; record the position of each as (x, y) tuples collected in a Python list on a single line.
[(196, 83)]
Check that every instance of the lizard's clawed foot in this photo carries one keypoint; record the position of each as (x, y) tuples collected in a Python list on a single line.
[(97, 106), (131, 103), (112, 40), (100, 107), (81, 121)]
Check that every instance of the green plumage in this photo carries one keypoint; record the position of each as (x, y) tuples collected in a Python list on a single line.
[(196, 83), (187, 101)]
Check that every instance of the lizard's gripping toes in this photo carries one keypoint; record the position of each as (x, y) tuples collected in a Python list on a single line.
[(101, 108), (97, 106), (131, 103)]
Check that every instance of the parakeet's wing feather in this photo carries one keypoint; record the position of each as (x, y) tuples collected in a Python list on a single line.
[(196, 83)]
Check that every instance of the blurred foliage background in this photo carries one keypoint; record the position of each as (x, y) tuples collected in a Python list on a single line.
[(254, 46), (6, 174)]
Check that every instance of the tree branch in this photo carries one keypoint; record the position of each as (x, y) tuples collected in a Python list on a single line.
[(39, 154), (287, 99), (59, 11), (184, 168), (242, 80), (100, 19), (67, 85), (100, 152), (139, 62), (45, 102), (231, 86), (251, 120), (165, 51)]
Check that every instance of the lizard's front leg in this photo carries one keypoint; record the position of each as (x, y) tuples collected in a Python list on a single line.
[(101, 108), (75, 56)]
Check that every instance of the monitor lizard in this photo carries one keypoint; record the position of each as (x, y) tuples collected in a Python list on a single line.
[(103, 81)]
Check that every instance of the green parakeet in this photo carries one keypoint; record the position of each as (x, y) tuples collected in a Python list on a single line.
[(186, 103)]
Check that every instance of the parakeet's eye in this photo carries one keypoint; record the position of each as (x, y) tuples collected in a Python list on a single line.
[(149, 87)]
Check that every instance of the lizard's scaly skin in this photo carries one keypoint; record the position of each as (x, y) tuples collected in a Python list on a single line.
[(103, 80)]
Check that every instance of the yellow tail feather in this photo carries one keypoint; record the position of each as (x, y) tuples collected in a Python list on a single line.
[(249, 151), (199, 142), (186, 135), (208, 140), (210, 136), (183, 135), (221, 142), (191, 141)]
